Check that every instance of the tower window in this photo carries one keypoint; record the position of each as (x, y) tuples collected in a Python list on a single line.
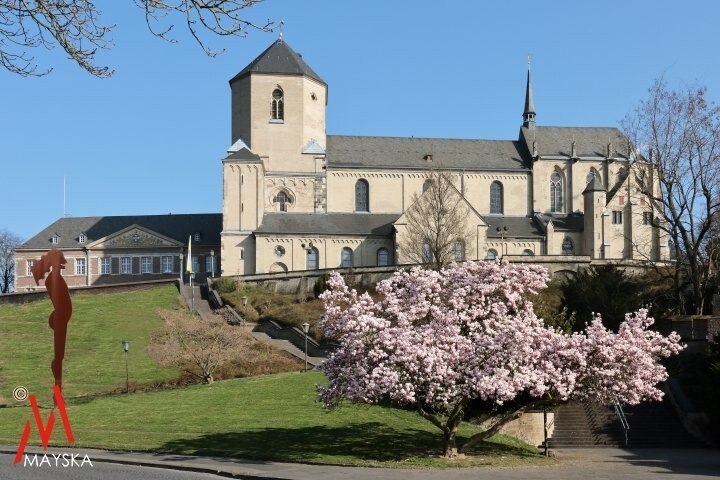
[(496, 198), (277, 105), (556, 192), (362, 203), (617, 217)]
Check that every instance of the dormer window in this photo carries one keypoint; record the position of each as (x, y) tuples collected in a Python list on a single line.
[(196, 236), (55, 239), (277, 106), (82, 238)]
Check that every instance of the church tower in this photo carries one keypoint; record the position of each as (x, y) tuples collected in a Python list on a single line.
[(529, 112), (277, 154)]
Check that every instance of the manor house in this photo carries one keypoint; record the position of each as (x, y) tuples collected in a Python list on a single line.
[(296, 198)]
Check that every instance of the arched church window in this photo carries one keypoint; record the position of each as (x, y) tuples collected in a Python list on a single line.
[(556, 192), (426, 253), (427, 184), (383, 257), (346, 258), (568, 248), (528, 253), (313, 257), (491, 254), (362, 203), (592, 174), (282, 199), (459, 250), (496, 198), (619, 176), (277, 106)]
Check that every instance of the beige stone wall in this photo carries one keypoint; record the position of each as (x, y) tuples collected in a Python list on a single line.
[(512, 247), (529, 427), (243, 186), (238, 252), (329, 251), (301, 189), (386, 190), (515, 191), (280, 143)]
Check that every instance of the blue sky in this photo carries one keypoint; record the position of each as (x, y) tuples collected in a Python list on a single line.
[(150, 139)]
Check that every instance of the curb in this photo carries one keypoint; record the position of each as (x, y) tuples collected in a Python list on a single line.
[(161, 465)]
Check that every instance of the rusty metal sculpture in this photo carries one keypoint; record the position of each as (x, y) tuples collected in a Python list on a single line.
[(52, 262)]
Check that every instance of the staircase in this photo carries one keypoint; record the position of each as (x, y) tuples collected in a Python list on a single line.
[(652, 424)]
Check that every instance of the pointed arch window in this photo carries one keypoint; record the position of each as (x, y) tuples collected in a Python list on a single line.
[(282, 199), (426, 253), (383, 257), (556, 192), (427, 184), (312, 262), (491, 254), (277, 105), (346, 258), (362, 196), (568, 248), (620, 176), (592, 174), (496, 198)]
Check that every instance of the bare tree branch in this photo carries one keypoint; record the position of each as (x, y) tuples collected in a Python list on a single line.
[(75, 26), (8, 243)]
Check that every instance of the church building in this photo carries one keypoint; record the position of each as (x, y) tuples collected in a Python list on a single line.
[(295, 198)]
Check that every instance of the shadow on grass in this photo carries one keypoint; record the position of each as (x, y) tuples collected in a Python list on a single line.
[(363, 442)]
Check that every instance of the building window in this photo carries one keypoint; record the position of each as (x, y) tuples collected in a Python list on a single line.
[(283, 200), (80, 266), (346, 258), (145, 264), (426, 253), (496, 198), (55, 239), (362, 203), (427, 184), (279, 250), (459, 250), (210, 264), (125, 265), (82, 238), (312, 261), (167, 264), (383, 257), (195, 264), (106, 265), (568, 248), (621, 200), (528, 253), (556, 192), (593, 174), (277, 105), (647, 218), (617, 217), (196, 237), (30, 264), (619, 176), (491, 254)]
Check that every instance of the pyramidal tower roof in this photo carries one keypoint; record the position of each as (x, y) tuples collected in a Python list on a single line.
[(279, 58), (529, 112)]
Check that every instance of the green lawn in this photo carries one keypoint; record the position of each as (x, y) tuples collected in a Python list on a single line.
[(274, 417), (94, 360)]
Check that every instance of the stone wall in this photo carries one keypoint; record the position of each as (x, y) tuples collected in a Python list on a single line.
[(26, 297), (529, 427)]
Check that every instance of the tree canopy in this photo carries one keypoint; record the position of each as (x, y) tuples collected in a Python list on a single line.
[(437, 340)]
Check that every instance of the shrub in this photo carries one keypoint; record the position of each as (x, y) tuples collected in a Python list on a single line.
[(225, 285), (321, 284)]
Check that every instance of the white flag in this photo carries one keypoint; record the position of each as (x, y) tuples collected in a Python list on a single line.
[(188, 267)]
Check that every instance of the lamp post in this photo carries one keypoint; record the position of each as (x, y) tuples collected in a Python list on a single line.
[(502, 231), (306, 329), (212, 263), (126, 347)]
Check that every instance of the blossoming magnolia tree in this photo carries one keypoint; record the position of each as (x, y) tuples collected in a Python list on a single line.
[(438, 340)]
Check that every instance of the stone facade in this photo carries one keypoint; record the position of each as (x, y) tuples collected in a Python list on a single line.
[(555, 191)]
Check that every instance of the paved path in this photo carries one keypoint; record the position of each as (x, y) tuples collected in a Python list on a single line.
[(585, 464)]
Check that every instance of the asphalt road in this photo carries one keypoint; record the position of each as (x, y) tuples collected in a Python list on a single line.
[(99, 471)]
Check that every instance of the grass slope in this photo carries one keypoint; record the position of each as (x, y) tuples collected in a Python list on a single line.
[(94, 360), (264, 418)]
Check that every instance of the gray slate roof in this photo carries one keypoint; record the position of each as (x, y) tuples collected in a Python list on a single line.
[(243, 154), (402, 152), (177, 227), (279, 58), (517, 227), (589, 141), (329, 223), (573, 222)]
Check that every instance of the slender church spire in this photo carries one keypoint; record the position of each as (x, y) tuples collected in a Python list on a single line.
[(529, 113)]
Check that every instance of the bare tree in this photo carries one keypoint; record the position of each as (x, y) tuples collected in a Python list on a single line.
[(76, 27), (199, 347), (679, 133), (436, 223), (8, 243)]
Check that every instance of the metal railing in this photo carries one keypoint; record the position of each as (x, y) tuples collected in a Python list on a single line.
[(621, 416)]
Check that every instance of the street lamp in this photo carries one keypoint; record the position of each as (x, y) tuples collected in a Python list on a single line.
[(212, 263), (502, 231), (306, 329), (126, 347)]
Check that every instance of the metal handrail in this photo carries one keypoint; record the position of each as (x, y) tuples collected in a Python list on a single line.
[(623, 419)]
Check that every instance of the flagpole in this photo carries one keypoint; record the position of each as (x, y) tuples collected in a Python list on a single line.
[(189, 268)]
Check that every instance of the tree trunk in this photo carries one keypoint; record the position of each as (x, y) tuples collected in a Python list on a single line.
[(450, 444)]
